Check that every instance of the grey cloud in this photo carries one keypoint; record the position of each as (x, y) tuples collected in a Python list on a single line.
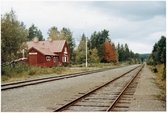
[(129, 22), (132, 10)]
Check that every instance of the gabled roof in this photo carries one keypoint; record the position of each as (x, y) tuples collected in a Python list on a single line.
[(47, 47), (44, 51)]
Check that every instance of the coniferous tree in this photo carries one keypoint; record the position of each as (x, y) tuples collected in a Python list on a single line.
[(34, 32), (159, 51), (81, 50), (93, 56), (158, 55), (66, 34), (53, 33), (126, 55), (97, 40)]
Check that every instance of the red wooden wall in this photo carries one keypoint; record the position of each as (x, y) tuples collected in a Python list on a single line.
[(38, 59)]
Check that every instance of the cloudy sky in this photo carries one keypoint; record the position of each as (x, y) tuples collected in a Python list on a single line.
[(138, 23)]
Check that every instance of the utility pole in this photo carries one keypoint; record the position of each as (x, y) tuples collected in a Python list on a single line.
[(86, 54), (23, 53), (86, 48)]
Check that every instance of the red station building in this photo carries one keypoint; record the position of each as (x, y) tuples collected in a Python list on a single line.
[(48, 53)]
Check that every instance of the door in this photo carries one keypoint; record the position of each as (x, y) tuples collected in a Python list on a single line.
[(56, 60), (32, 59)]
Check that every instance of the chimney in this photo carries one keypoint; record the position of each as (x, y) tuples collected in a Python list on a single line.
[(50, 39), (35, 39)]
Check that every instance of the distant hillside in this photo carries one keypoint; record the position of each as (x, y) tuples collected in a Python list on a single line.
[(144, 57)]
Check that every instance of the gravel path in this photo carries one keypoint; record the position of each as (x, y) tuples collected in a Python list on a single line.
[(49, 96), (146, 95)]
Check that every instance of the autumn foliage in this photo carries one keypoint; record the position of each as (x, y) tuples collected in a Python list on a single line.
[(109, 53)]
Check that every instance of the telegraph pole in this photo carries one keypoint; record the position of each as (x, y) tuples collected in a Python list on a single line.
[(86, 54), (23, 53), (86, 48)]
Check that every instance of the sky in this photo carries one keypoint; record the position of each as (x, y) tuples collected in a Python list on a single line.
[(140, 24)]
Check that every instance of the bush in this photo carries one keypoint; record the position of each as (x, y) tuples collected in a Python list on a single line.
[(31, 71), (4, 78), (19, 68), (58, 70), (164, 74), (6, 71), (13, 69), (155, 70)]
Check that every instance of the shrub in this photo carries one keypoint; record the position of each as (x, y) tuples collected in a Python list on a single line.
[(19, 68), (5, 71), (4, 78), (32, 70), (58, 70), (164, 74), (155, 70)]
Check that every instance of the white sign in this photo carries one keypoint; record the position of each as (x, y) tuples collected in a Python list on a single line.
[(33, 53)]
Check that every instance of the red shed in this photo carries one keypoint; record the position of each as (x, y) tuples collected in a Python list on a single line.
[(48, 53)]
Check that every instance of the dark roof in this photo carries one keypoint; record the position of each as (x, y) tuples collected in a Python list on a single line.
[(47, 47)]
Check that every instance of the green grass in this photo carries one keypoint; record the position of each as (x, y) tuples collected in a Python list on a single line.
[(161, 82), (98, 65), (158, 70), (23, 72)]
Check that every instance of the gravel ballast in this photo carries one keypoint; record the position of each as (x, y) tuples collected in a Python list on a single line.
[(146, 96), (49, 96)]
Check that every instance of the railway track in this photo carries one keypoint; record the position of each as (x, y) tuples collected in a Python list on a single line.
[(13, 85), (106, 97)]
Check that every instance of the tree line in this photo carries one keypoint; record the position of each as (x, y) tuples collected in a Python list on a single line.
[(158, 55), (100, 48)]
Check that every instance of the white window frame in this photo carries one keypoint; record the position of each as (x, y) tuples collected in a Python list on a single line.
[(48, 58), (65, 50), (54, 59), (64, 59)]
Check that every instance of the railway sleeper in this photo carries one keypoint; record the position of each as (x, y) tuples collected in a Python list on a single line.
[(129, 93), (90, 105), (121, 106), (128, 99), (120, 109), (101, 97), (133, 86), (85, 108), (98, 99), (126, 102)]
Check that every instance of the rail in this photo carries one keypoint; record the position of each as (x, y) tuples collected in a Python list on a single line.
[(75, 101), (13, 85)]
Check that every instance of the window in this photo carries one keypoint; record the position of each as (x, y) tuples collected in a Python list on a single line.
[(65, 59), (48, 58), (55, 59), (65, 50)]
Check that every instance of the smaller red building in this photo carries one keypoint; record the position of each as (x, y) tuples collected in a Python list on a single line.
[(48, 53)]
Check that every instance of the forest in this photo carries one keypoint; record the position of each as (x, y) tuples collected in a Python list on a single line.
[(158, 57), (100, 48)]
